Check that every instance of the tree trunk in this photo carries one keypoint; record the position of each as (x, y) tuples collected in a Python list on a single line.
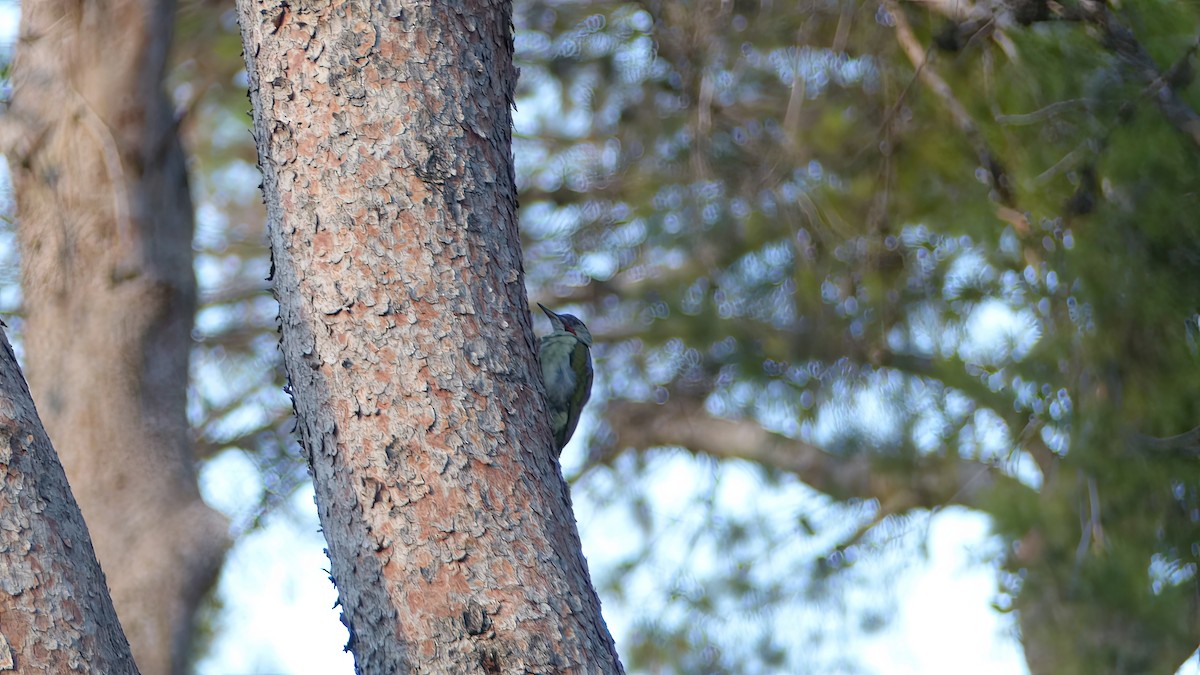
[(55, 610), (384, 135), (105, 225), (1063, 632)]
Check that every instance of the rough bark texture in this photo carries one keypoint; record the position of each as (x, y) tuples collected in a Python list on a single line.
[(384, 135), (105, 225), (55, 612)]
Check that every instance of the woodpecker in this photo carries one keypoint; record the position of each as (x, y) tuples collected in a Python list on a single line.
[(566, 358)]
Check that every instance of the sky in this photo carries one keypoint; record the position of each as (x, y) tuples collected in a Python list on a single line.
[(279, 615)]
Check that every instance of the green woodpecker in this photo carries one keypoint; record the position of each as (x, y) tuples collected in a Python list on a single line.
[(566, 358)]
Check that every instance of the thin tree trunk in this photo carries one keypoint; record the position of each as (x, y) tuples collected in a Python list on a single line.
[(105, 225), (384, 135)]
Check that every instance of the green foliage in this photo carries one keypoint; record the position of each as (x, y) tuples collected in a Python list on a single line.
[(768, 210)]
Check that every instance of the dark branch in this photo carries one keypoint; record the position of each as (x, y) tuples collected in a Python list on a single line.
[(918, 55), (1185, 444), (1120, 40)]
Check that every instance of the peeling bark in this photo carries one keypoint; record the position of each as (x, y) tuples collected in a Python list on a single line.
[(55, 612), (105, 227), (384, 136)]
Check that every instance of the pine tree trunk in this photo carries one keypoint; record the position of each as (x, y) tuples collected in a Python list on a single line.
[(105, 226), (55, 612), (384, 135)]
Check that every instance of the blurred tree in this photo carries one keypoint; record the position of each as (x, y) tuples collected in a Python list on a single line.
[(392, 221), (104, 219), (917, 254)]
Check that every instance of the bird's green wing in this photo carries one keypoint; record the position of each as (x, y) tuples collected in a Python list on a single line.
[(581, 365)]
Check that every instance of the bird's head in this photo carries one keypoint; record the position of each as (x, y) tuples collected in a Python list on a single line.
[(568, 323)]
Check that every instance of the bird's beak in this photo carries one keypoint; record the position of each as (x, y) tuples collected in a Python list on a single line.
[(550, 314)]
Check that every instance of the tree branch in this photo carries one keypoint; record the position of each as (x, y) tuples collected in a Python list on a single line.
[(899, 484), (1120, 40), (917, 55), (1186, 444)]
